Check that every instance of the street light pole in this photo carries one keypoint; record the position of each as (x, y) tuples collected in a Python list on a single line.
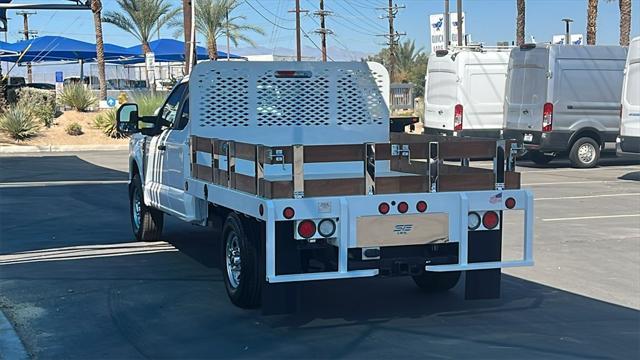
[(567, 36)]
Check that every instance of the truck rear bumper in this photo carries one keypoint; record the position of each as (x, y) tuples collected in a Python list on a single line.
[(628, 146), (555, 141), (456, 204)]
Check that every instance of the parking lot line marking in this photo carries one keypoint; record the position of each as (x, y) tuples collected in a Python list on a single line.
[(60, 183), (593, 217), (610, 168), (587, 196), (576, 182)]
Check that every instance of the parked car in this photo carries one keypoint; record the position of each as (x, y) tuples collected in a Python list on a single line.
[(465, 92), (564, 99), (628, 141)]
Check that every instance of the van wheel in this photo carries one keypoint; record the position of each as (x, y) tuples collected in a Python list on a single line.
[(240, 260), (435, 282), (146, 222), (585, 153), (540, 158)]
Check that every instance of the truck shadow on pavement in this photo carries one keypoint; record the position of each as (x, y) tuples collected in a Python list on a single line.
[(55, 168)]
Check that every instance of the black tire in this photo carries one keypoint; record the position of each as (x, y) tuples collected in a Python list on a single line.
[(245, 289), (434, 282), (585, 153), (540, 158), (150, 220)]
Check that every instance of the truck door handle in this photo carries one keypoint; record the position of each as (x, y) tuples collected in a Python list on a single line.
[(162, 147)]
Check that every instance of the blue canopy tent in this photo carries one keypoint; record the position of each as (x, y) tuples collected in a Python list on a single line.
[(5, 49), (170, 50), (58, 48)]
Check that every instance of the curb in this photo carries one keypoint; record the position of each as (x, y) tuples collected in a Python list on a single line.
[(14, 149), (11, 346)]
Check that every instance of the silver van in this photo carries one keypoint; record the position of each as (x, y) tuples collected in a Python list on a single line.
[(563, 99)]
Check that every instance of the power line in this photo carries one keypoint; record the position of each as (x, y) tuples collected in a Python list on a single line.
[(373, 25), (264, 17), (270, 12), (313, 42)]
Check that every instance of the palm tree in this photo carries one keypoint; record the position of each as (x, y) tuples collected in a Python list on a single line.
[(625, 21), (96, 9), (213, 19), (520, 22), (592, 14), (142, 18)]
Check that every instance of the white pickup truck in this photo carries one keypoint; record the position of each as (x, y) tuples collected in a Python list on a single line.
[(297, 162)]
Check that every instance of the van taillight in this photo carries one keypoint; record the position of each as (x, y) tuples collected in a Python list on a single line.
[(547, 117), (457, 118)]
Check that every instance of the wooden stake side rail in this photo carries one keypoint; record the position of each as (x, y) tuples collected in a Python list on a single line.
[(407, 153)]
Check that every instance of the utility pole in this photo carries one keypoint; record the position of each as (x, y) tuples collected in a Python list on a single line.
[(298, 37), (447, 25), (393, 36), (460, 20), (323, 31), (187, 11), (26, 32), (228, 38)]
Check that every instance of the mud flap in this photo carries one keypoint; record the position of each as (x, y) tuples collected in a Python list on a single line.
[(483, 246)]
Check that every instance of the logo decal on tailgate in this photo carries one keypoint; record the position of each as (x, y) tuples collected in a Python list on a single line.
[(402, 229)]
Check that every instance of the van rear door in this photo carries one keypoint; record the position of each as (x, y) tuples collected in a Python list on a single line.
[(526, 88), (440, 99)]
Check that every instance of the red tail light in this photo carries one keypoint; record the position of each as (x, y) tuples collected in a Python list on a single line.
[(383, 208), (421, 206), (490, 220), (547, 117), (307, 229), (288, 213), (457, 118), (403, 207)]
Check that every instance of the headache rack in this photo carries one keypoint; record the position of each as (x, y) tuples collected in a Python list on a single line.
[(416, 163)]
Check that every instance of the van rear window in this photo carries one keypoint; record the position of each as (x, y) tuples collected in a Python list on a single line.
[(633, 84), (441, 87), (527, 85)]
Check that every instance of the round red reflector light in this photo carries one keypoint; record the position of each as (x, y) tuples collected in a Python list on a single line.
[(383, 208), (510, 203), (490, 219), (306, 228), (288, 213), (403, 207), (421, 206)]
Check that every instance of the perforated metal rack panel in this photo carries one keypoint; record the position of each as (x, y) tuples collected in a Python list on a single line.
[(285, 103)]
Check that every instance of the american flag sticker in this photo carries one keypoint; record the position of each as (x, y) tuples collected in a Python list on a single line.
[(496, 198)]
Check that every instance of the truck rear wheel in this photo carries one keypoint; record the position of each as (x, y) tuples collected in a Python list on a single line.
[(585, 153), (434, 282), (146, 222), (240, 260)]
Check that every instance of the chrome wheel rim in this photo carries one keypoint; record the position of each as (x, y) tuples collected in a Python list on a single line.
[(136, 208), (233, 260), (586, 153)]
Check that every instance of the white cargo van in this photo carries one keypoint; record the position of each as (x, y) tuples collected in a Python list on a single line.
[(465, 92), (564, 99), (629, 140)]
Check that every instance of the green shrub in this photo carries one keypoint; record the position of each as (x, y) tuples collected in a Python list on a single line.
[(40, 103), (74, 129), (77, 96), (18, 123), (106, 122), (148, 102)]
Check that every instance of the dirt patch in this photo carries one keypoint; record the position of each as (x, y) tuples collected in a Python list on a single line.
[(56, 135)]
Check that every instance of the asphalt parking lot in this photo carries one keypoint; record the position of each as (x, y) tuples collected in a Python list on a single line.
[(75, 285)]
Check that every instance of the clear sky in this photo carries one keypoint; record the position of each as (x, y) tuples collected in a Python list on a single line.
[(356, 22)]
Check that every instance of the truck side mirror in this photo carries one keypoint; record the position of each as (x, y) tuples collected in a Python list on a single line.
[(127, 118)]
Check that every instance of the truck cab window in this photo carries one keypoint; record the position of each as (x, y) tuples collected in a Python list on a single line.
[(184, 114), (169, 110)]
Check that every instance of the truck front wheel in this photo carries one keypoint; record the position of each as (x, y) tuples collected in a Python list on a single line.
[(434, 282), (146, 222), (240, 260)]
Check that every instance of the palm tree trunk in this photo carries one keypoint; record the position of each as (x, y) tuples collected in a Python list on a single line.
[(212, 48), (625, 21), (592, 15), (96, 8), (145, 47), (520, 20)]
